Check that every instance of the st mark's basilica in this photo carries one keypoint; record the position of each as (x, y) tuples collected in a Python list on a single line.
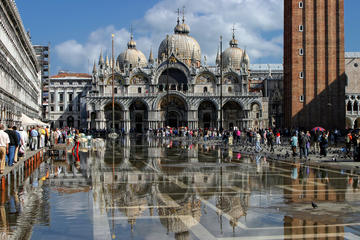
[(176, 89)]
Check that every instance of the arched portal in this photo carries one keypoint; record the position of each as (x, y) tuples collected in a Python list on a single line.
[(233, 115), (138, 116), (173, 79), (70, 121), (357, 123), (207, 115), (173, 111), (118, 116), (349, 123)]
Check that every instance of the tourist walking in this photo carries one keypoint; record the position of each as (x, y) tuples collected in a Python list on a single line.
[(278, 138), (4, 147), (18, 137), (12, 146), (323, 144), (257, 143), (294, 143), (23, 142), (303, 140), (76, 142), (34, 139)]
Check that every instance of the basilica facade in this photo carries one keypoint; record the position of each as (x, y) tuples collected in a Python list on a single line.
[(176, 89)]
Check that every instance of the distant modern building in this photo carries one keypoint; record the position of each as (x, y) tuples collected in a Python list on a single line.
[(352, 91), (66, 91), (20, 79), (176, 89), (43, 57), (314, 67)]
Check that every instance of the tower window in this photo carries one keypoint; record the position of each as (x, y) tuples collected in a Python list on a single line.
[(301, 28), (302, 98), (301, 75), (301, 52), (301, 4)]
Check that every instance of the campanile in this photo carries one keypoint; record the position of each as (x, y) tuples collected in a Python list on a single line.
[(314, 67)]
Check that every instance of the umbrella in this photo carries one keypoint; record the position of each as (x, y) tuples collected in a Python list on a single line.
[(320, 129)]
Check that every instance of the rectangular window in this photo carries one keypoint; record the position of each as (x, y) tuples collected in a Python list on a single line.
[(301, 52), (302, 98), (61, 108), (78, 108), (70, 97), (301, 75), (61, 97), (52, 97), (70, 108), (52, 108), (301, 28), (115, 90), (301, 4)]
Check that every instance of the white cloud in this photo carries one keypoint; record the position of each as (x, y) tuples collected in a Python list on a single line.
[(258, 25)]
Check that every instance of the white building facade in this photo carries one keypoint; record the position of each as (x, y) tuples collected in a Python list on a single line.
[(66, 94), (176, 89), (20, 90)]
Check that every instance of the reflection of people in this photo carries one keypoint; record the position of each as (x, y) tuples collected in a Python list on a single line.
[(3, 216)]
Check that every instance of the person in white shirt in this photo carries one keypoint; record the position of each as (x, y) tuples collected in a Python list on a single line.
[(23, 141), (4, 147)]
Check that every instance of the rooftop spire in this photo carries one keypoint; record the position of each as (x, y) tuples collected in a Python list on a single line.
[(94, 68), (178, 17), (131, 43), (101, 59), (151, 58), (183, 18), (233, 31), (233, 42), (107, 61), (218, 56)]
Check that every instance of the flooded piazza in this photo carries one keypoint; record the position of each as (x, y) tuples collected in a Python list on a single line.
[(163, 189)]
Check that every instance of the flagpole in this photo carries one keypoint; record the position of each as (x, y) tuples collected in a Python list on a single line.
[(113, 86)]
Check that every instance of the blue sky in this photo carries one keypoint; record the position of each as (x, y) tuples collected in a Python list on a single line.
[(79, 29)]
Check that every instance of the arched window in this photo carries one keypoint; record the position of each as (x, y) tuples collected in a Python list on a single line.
[(205, 89), (139, 90), (349, 106), (356, 106)]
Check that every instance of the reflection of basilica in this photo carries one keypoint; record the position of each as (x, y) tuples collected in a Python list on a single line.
[(174, 194), (176, 89)]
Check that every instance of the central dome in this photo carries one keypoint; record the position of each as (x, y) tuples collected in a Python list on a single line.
[(234, 56), (183, 46), (131, 56)]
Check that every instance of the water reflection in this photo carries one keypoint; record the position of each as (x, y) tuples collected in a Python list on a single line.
[(183, 190)]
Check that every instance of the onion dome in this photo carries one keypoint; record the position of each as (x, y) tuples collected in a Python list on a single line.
[(131, 56), (183, 46), (234, 56)]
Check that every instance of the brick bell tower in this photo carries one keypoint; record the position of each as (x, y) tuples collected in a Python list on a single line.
[(314, 64)]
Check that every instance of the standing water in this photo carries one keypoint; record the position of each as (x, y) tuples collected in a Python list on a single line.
[(163, 189)]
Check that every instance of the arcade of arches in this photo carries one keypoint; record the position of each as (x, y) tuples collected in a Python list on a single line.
[(173, 111)]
